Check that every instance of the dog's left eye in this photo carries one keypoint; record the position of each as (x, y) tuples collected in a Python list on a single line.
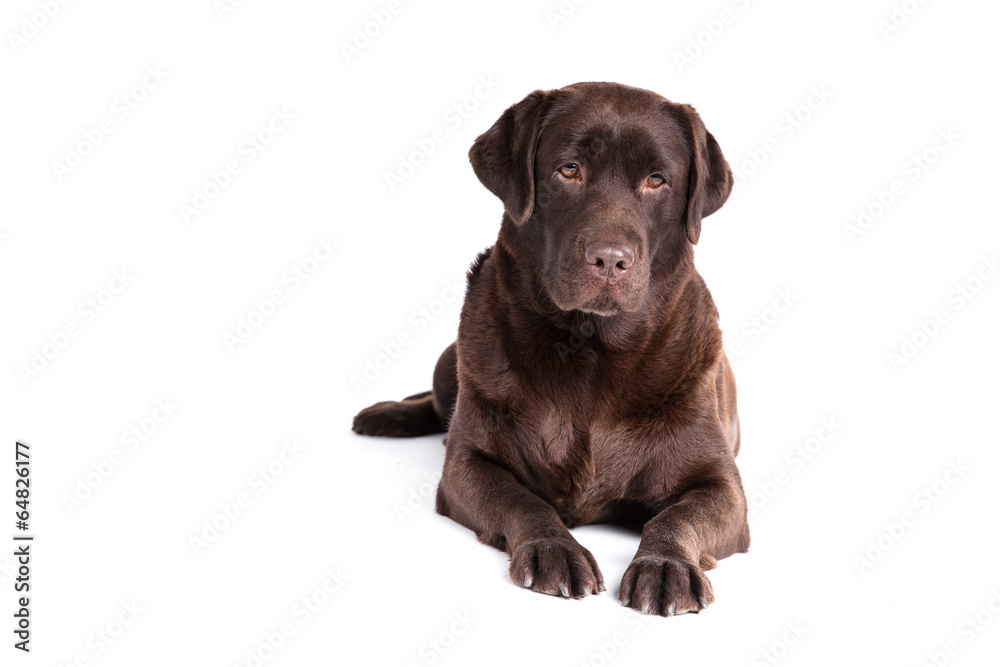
[(571, 170), (655, 181)]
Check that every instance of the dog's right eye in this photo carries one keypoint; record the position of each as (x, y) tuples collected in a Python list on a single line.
[(571, 170)]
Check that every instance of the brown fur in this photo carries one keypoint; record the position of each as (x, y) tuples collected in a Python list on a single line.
[(572, 397)]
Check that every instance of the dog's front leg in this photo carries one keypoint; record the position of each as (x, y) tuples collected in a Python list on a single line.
[(484, 496), (707, 522)]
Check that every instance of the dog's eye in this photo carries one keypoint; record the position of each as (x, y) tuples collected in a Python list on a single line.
[(571, 170), (655, 181)]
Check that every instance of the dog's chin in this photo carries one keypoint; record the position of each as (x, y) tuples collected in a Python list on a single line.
[(605, 303)]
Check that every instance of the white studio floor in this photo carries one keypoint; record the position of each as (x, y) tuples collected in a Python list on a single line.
[(223, 233)]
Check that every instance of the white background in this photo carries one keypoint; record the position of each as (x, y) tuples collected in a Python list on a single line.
[(336, 507)]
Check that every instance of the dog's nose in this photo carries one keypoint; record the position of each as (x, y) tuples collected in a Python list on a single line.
[(609, 260)]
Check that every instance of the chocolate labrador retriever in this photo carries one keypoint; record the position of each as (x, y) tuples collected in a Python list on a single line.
[(588, 383)]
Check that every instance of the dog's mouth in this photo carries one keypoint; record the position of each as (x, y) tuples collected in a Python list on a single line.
[(602, 304), (583, 291), (606, 300)]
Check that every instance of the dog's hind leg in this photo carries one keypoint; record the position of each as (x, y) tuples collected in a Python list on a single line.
[(421, 414), (409, 417)]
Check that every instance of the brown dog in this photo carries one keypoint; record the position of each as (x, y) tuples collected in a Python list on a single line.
[(588, 383)]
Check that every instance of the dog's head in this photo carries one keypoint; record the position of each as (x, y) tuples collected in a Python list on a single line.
[(601, 184)]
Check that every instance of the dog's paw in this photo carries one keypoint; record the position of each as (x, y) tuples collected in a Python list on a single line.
[(383, 418), (665, 586), (556, 567), (398, 419)]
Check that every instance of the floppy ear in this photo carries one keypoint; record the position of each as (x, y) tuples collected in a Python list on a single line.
[(711, 179), (503, 157)]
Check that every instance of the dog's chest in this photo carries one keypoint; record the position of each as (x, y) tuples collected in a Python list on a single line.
[(565, 442), (584, 466)]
